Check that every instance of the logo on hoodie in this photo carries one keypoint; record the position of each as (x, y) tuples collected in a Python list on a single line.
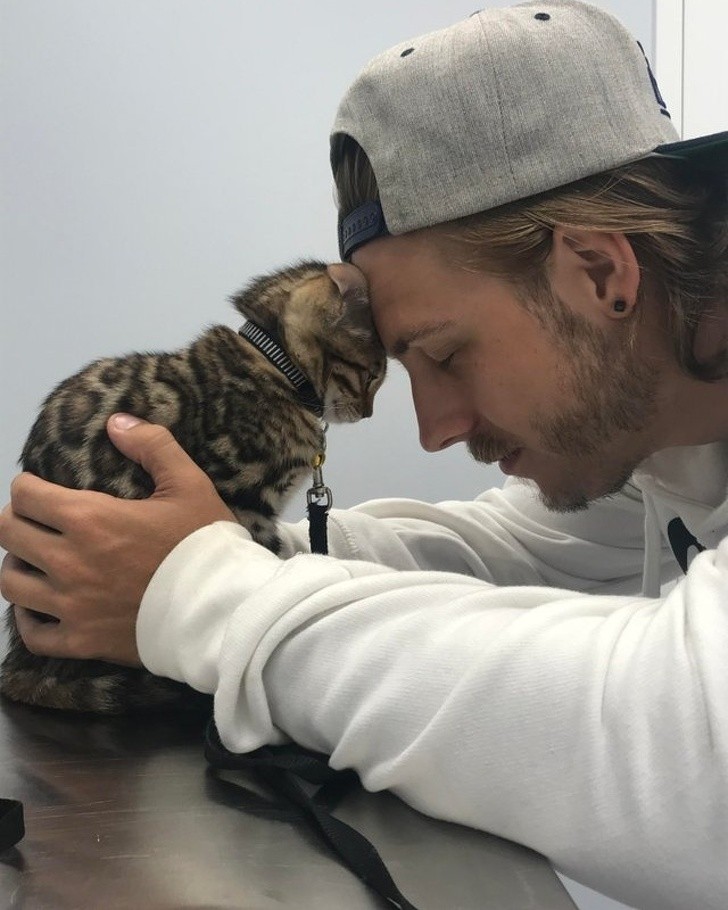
[(685, 545)]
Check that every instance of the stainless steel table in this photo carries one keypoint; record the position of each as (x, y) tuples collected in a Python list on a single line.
[(120, 815)]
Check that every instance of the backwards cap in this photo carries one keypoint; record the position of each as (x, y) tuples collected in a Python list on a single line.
[(503, 105)]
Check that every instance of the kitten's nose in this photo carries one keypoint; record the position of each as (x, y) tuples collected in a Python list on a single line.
[(348, 279)]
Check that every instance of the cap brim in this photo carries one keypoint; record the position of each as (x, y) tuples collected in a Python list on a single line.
[(712, 149)]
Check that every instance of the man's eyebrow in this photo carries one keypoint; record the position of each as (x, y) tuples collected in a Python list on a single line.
[(401, 345)]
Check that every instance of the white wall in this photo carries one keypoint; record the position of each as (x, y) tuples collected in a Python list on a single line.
[(160, 153), (690, 63), (156, 154)]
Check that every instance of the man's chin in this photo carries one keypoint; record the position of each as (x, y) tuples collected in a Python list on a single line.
[(578, 499), (564, 502)]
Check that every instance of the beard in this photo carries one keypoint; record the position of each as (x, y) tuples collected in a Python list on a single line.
[(612, 395)]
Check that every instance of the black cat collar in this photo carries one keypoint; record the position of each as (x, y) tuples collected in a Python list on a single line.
[(269, 346)]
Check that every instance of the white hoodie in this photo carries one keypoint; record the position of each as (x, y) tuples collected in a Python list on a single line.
[(492, 663)]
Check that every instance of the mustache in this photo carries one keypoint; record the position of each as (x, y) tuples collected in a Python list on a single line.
[(488, 450)]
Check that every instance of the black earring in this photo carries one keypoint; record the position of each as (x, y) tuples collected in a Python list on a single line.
[(620, 306)]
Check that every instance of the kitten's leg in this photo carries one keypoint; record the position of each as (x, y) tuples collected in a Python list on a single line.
[(262, 530)]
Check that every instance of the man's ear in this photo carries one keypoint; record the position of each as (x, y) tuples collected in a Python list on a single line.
[(594, 272)]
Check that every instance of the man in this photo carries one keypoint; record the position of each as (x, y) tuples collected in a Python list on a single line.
[(549, 264)]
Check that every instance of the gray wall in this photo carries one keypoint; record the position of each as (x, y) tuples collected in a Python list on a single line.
[(158, 153)]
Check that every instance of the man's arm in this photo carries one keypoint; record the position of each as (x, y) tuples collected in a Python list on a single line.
[(591, 728)]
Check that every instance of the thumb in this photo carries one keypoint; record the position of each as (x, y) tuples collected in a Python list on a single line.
[(155, 449)]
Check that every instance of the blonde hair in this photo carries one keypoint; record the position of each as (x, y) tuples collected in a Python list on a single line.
[(675, 216)]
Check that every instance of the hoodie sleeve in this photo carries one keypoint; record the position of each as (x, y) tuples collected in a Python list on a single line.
[(590, 727)]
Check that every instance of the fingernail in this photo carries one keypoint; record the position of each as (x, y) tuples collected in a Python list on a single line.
[(125, 421)]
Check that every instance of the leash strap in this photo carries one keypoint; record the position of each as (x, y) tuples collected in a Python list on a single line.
[(12, 824), (319, 500), (317, 519), (285, 769)]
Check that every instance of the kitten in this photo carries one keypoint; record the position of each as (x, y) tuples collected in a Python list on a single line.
[(235, 413)]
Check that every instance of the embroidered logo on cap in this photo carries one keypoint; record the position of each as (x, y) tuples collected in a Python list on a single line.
[(655, 86)]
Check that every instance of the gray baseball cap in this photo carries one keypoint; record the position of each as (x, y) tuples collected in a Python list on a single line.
[(503, 105)]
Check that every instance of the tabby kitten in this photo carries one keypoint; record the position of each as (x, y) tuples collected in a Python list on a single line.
[(236, 414)]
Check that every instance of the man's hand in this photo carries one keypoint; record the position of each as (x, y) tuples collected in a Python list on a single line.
[(85, 558)]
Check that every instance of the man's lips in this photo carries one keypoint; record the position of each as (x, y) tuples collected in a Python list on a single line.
[(493, 449), (492, 459)]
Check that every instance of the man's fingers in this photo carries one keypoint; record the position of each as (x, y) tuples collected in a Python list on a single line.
[(25, 538), (22, 584), (156, 450), (39, 500), (47, 638)]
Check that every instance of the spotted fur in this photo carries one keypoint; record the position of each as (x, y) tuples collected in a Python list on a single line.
[(233, 412)]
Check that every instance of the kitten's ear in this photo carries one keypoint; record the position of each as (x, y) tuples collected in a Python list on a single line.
[(255, 302), (350, 281), (354, 292)]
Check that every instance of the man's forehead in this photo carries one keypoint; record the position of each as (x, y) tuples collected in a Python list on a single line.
[(411, 288)]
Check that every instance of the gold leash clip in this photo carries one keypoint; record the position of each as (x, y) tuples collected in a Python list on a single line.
[(319, 494)]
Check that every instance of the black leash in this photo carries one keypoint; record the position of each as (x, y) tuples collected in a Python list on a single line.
[(12, 824), (285, 769), (319, 500)]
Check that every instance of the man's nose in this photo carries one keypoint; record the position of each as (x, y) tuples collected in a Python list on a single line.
[(444, 415)]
